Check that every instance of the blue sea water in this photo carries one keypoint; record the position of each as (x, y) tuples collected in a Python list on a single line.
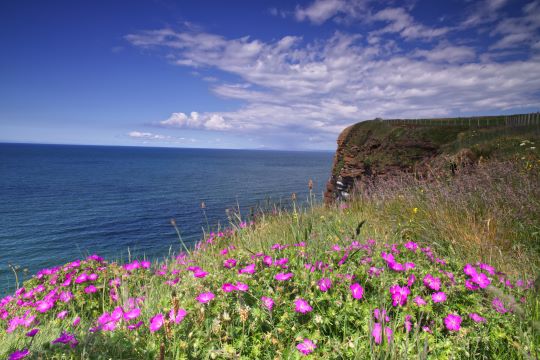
[(62, 202)]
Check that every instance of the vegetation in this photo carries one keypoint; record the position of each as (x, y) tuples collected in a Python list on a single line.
[(409, 268)]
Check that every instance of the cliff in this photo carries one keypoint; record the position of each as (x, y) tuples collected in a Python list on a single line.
[(374, 149)]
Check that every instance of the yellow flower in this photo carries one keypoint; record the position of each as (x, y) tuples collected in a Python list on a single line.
[(415, 210)]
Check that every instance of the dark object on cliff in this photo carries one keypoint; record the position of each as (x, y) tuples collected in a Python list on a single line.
[(382, 149), (359, 227)]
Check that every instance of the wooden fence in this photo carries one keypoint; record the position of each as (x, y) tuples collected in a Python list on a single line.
[(530, 119)]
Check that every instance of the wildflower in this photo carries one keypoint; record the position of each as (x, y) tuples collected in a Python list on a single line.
[(32, 333), (306, 347), (452, 322), (76, 321), (498, 305), (156, 322), (324, 284), (477, 318), (66, 338), (438, 297), (469, 270), (62, 314), (229, 263), (205, 297), (410, 280), (135, 326), (242, 287), (302, 306), (412, 246), (228, 287), (357, 291), (481, 279), (432, 282), (380, 315), (178, 316), (267, 260), (90, 289), (250, 269), (283, 276), (469, 284), (66, 296), (132, 314), (409, 266), (92, 277), (490, 269), (377, 333), (408, 323), (267, 302), (81, 278), (399, 295), (199, 273), (43, 306), (19, 354), (146, 264)]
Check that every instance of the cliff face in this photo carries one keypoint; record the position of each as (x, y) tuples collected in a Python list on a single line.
[(376, 149)]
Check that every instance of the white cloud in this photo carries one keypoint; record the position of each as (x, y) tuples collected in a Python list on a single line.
[(147, 136), (320, 10), (290, 86), (518, 31)]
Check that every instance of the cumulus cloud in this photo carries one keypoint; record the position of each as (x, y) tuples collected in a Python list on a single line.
[(318, 87)]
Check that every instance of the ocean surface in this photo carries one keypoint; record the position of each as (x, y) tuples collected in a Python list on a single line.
[(62, 202)]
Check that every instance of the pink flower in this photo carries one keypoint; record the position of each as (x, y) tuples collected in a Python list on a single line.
[(432, 282), (452, 322), (250, 269), (410, 280), (325, 284), (32, 333), (242, 287), (408, 323), (229, 263), (469, 284), (377, 333), (302, 306), (76, 321), (62, 314), (145, 264), (469, 270), (199, 273), (267, 302), (306, 347), (283, 276), (135, 326), (65, 296), (477, 318), (267, 260), (178, 317), (412, 246), (399, 295), (498, 305), (481, 279), (43, 305), (92, 277), (228, 287), (380, 315), (90, 289), (438, 297), (357, 291), (132, 314), (81, 278), (420, 301), (66, 338), (205, 297), (156, 322), (20, 354)]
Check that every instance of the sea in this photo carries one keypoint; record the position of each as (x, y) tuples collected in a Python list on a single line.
[(59, 203)]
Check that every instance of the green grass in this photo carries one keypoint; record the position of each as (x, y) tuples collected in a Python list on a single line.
[(489, 216)]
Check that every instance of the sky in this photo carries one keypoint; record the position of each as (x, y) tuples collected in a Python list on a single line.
[(263, 74)]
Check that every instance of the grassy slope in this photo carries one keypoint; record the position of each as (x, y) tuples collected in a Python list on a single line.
[(489, 216)]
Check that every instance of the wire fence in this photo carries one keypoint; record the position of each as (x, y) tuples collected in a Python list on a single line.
[(517, 120)]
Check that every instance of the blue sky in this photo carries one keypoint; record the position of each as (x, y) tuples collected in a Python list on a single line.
[(256, 74)]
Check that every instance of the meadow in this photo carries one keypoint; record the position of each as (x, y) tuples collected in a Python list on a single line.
[(409, 268)]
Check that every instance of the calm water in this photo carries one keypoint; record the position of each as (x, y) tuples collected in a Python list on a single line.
[(58, 203)]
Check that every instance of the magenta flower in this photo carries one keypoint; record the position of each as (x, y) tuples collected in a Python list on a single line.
[(412, 246), (438, 297), (156, 322), (92, 277), (65, 296), (498, 305), (410, 280), (66, 338), (242, 287), (228, 287), (146, 264), (43, 305), (90, 289), (481, 279), (267, 260), (250, 269), (380, 315), (20, 354), (302, 306), (357, 291), (199, 273), (229, 263), (432, 282), (62, 314), (32, 333), (399, 295), (477, 318), (205, 297), (469, 270), (420, 301), (452, 322), (76, 321), (283, 276), (306, 347), (178, 316), (325, 284), (135, 326), (267, 302), (81, 278), (469, 284), (408, 323), (377, 333), (132, 314)]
